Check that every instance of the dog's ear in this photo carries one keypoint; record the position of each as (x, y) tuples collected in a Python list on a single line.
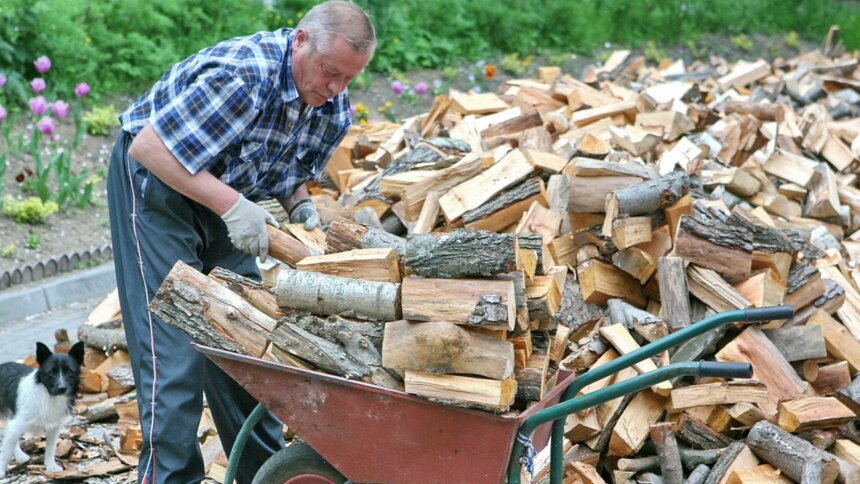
[(42, 353), (77, 352)]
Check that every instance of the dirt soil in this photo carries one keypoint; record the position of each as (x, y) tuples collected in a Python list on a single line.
[(81, 229)]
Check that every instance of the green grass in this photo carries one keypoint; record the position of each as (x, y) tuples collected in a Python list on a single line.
[(123, 46)]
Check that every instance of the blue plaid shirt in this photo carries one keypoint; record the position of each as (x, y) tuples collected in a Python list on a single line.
[(233, 109)]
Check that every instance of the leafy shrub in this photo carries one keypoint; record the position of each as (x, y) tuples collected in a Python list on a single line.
[(8, 251), (102, 120), (31, 210), (742, 42), (33, 242)]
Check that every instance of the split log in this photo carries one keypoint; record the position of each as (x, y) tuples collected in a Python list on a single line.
[(254, 292), (440, 347), (798, 343), (632, 429), (506, 208), (484, 303), (587, 194), (344, 235), (120, 380), (210, 313), (713, 290), (285, 248), (323, 294), (620, 338), (414, 195), (811, 413), (716, 394), (361, 340), (838, 341), (493, 395), (714, 245), (601, 281), (107, 408), (460, 254), (369, 264), (532, 379), (472, 193), (699, 435), (589, 167), (789, 453), (674, 296)]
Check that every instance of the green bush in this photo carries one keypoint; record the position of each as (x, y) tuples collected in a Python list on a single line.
[(8, 251), (102, 120), (123, 46), (31, 210)]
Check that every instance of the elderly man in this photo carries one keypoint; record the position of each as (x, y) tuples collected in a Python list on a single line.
[(244, 120)]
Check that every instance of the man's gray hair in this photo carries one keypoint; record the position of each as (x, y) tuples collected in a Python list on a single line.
[(341, 19)]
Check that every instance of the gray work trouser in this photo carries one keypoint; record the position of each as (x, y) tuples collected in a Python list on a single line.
[(153, 226)]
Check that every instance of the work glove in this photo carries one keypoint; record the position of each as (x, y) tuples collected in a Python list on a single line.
[(246, 223), (305, 212)]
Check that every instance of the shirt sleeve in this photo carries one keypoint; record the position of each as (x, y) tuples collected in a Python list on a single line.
[(202, 120)]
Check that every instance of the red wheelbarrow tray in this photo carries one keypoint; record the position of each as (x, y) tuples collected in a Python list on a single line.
[(374, 434)]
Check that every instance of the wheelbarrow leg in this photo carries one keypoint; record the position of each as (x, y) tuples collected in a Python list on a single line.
[(241, 440)]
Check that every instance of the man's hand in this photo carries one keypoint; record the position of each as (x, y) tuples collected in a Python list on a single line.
[(246, 222), (305, 212)]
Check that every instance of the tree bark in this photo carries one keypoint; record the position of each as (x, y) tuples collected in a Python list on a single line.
[(344, 234), (789, 453), (667, 451), (107, 340), (323, 294), (320, 352), (650, 195), (698, 475), (460, 254), (254, 292)]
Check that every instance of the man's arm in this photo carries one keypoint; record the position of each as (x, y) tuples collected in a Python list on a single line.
[(300, 194), (203, 187)]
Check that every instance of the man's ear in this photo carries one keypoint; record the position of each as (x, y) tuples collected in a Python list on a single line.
[(42, 353)]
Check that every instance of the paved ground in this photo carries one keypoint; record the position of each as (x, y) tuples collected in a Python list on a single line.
[(18, 338)]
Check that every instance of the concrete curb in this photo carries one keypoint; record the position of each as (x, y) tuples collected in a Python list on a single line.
[(54, 294)]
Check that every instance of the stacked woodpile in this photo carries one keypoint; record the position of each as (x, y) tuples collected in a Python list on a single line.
[(472, 252)]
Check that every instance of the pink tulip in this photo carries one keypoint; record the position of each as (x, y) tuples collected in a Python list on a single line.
[(43, 64), (2, 80), (46, 125), (82, 89), (38, 85), (421, 88), (2, 114), (60, 109), (38, 105), (397, 87)]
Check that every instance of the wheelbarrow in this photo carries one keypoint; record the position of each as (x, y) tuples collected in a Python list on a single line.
[(364, 433)]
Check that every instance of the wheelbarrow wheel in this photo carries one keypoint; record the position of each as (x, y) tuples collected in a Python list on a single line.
[(297, 464)]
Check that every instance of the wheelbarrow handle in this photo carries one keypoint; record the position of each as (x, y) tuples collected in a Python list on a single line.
[(725, 370), (632, 385), (769, 313)]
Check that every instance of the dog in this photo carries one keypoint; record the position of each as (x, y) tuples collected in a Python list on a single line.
[(38, 400)]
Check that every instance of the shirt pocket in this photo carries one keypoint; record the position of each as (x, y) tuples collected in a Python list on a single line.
[(253, 152)]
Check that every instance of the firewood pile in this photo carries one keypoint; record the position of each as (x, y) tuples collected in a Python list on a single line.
[(472, 253)]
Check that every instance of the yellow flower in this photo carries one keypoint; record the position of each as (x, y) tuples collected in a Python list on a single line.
[(381, 109), (360, 108), (388, 104), (362, 121), (489, 71)]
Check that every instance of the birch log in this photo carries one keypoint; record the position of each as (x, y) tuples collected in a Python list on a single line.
[(323, 294)]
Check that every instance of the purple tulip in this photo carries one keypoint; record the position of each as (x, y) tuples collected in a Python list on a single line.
[(43, 64), (2, 80), (352, 110), (421, 88), (2, 114), (60, 109), (38, 85), (82, 89), (46, 125), (397, 87), (38, 105)]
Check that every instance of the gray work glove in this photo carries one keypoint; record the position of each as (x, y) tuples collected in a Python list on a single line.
[(305, 212), (246, 223)]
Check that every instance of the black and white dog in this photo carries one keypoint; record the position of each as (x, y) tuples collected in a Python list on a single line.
[(38, 400)]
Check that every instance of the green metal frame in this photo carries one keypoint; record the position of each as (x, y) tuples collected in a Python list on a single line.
[(616, 365)]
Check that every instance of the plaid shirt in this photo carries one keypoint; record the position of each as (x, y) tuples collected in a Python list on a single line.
[(233, 109)]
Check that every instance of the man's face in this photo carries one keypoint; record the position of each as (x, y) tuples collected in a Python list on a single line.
[(320, 77)]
